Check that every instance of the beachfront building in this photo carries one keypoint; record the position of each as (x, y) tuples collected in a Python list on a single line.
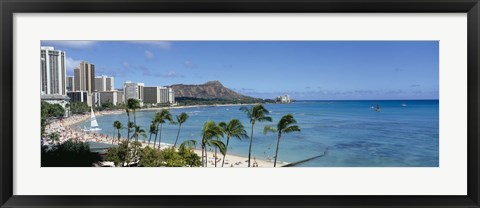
[(110, 97), (104, 83), (84, 77), (70, 84), (120, 97), (53, 71), (283, 99), (78, 96), (63, 100), (158, 95), (133, 90), (171, 96)]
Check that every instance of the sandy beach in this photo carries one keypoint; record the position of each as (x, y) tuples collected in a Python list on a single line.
[(68, 131)]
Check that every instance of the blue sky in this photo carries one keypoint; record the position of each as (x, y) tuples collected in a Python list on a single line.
[(306, 70)]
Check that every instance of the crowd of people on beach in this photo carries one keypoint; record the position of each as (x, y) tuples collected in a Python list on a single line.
[(66, 130)]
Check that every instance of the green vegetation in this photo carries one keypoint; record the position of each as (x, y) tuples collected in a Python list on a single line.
[(133, 105), (79, 108), (160, 118), (118, 154), (182, 118), (49, 111), (118, 125), (285, 125), (68, 154), (234, 128), (210, 131), (255, 113), (106, 106), (152, 157), (152, 130)]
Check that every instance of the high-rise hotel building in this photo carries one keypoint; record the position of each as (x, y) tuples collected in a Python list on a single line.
[(104, 83), (70, 83), (53, 71), (158, 95), (84, 77), (133, 90)]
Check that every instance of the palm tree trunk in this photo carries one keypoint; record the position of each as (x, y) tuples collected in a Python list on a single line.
[(118, 134), (203, 156), (206, 158), (113, 137), (215, 156), (150, 138), (156, 134), (226, 149), (160, 138), (135, 125), (276, 151), (178, 134), (250, 147), (128, 129)]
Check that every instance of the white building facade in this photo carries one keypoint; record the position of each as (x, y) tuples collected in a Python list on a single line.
[(53, 71), (104, 83)]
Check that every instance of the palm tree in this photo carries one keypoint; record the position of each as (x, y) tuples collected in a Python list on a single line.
[(160, 118), (211, 130), (134, 104), (234, 128), (130, 126), (180, 120), (285, 125), (128, 122), (188, 144), (117, 125), (152, 130), (255, 113), (138, 132)]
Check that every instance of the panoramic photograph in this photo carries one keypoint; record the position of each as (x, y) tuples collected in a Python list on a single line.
[(239, 104)]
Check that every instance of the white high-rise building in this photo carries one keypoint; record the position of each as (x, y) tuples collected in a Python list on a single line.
[(158, 95), (171, 96), (84, 77), (104, 83), (110, 86), (53, 71), (133, 90), (70, 84)]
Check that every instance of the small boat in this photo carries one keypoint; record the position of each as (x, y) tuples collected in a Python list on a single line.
[(93, 123), (404, 105)]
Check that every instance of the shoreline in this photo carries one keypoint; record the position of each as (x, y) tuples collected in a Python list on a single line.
[(195, 106), (68, 129)]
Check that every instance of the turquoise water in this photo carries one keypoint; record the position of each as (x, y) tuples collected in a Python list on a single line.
[(403, 134)]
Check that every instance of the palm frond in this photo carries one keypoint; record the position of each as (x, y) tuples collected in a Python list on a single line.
[(182, 118), (188, 144), (221, 146), (265, 118), (285, 121), (291, 129), (267, 129)]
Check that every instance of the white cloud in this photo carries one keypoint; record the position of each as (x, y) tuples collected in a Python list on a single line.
[(189, 64), (74, 44), (149, 55), (165, 45), (72, 63)]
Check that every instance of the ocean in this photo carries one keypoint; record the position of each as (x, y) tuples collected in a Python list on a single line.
[(405, 133)]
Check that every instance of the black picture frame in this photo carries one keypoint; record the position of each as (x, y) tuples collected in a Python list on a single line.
[(10, 7)]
